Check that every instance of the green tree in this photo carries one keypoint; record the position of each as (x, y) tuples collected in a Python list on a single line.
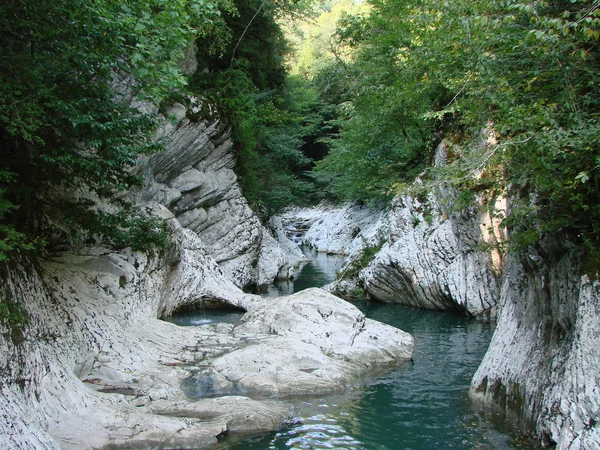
[(526, 70), (70, 74), (269, 114)]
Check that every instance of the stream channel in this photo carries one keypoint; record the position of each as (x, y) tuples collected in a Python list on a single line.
[(420, 405)]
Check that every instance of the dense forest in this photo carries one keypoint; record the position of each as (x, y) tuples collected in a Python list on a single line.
[(327, 101)]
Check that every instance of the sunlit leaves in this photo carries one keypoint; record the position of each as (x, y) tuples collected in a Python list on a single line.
[(528, 69)]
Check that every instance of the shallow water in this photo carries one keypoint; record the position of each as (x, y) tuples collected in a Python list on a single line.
[(205, 316), (321, 270)]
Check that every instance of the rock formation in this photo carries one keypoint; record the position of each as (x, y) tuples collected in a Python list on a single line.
[(194, 177), (429, 259), (542, 368), (95, 366)]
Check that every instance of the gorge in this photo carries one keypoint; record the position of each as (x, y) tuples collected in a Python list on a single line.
[(157, 158)]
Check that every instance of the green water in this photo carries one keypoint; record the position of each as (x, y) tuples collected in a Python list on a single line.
[(420, 405)]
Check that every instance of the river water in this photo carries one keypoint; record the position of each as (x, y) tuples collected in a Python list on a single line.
[(420, 405)]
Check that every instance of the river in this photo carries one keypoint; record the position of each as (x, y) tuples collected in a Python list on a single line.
[(420, 405)]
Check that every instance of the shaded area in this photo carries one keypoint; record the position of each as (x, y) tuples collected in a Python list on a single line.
[(319, 271), (205, 316)]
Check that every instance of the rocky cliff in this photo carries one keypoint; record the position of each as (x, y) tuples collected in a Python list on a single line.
[(429, 259), (194, 178), (542, 368)]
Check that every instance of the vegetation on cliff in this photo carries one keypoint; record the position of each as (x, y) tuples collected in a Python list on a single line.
[(417, 72), (69, 71), (369, 103)]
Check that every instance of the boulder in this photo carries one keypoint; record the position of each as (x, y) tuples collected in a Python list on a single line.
[(309, 342)]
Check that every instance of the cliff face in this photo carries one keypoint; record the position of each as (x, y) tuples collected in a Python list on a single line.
[(542, 368), (543, 364), (430, 260), (95, 366), (194, 178)]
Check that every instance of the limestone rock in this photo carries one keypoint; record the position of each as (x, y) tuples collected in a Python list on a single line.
[(543, 365), (194, 178), (95, 367), (309, 342), (335, 230), (431, 262), (95, 360)]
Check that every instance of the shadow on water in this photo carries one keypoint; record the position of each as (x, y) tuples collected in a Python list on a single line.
[(321, 270)]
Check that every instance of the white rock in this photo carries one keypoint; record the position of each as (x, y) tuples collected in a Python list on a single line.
[(543, 364), (310, 342)]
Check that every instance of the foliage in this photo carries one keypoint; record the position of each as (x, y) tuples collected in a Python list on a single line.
[(12, 313), (360, 261), (271, 115), (424, 70), (69, 71)]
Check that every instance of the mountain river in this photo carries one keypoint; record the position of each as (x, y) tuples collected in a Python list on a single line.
[(419, 405)]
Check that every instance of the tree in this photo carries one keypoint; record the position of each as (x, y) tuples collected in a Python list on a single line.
[(427, 70), (69, 72)]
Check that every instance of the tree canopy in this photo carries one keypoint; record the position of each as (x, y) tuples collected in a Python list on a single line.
[(70, 74), (423, 71)]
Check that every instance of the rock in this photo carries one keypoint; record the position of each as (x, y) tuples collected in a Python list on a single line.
[(432, 262), (542, 368), (334, 230), (309, 342), (94, 359), (193, 177), (95, 367), (295, 256)]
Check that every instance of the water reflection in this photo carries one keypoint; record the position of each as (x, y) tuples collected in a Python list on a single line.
[(321, 270), (205, 316)]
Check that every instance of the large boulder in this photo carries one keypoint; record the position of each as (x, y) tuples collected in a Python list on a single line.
[(331, 229), (310, 343)]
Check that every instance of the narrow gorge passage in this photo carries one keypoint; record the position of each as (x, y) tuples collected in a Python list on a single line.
[(420, 405)]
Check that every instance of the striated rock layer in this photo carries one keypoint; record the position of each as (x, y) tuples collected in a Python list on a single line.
[(94, 367), (194, 177), (423, 257), (430, 260), (543, 364)]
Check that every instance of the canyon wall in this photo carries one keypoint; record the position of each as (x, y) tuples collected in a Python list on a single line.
[(542, 368), (194, 178)]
